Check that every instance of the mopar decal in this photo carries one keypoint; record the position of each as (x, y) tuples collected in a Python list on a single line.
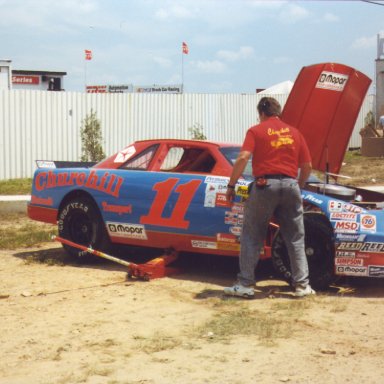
[(350, 270), (134, 231), (107, 183), (332, 81)]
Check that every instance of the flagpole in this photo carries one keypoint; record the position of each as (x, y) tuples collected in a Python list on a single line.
[(182, 71)]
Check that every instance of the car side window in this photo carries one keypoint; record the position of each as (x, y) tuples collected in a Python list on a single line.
[(186, 160), (142, 160)]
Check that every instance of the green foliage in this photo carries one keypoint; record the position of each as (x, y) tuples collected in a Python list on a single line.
[(197, 132), (369, 119), (91, 138)]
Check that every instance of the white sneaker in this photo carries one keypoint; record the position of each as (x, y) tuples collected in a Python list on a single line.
[(301, 291), (239, 290)]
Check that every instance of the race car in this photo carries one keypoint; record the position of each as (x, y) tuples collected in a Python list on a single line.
[(171, 194)]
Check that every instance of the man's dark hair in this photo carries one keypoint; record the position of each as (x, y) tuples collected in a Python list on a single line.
[(269, 106)]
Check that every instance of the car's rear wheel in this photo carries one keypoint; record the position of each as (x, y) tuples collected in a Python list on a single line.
[(80, 222), (319, 249)]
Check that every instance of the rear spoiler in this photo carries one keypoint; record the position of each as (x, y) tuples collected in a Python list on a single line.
[(64, 164)]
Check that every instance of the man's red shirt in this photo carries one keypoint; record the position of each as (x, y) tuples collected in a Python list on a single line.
[(276, 147)]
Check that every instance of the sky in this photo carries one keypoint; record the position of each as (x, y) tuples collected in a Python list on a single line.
[(235, 46)]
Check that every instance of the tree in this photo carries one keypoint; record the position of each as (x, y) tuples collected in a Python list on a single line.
[(196, 132), (91, 138)]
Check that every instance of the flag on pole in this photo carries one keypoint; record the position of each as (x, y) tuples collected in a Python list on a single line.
[(88, 54), (185, 48)]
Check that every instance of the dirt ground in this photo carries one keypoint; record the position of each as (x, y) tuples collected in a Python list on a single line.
[(76, 323)]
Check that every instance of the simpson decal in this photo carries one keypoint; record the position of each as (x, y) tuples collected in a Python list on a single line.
[(332, 81), (348, 261), (133, 231)]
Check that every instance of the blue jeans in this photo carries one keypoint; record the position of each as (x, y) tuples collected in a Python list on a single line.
[(281, 198)]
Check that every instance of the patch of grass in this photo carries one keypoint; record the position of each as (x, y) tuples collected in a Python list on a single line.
[(25, 235), (16, 186), (156, 343), (246, 322)]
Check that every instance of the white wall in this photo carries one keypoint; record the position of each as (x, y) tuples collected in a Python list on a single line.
[(38, 125)]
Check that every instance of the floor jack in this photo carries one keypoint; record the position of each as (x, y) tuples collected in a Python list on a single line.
[(152, 269)]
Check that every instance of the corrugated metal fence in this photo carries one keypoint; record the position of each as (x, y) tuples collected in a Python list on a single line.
[(39, 125)]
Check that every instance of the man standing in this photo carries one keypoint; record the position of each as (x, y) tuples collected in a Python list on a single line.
[(278, 151)]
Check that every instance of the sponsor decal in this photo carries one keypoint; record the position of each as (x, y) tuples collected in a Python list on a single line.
[(125, 154), (133, 231), (120, 209), (367, 223), (376, 271), (349, 246), (352, 208), (235, 230), (312, 198), (238, 207), (335, 206), (343, 216), (351, 270), (227, 242), (104, 182), (372, 247), (332, 81), (346, 226), (231, 218), (221, 200), (203, 244), (347, 237), (42, 201), (242, 190), (345, 254), (45, 164), (216, 180), (348, 261)]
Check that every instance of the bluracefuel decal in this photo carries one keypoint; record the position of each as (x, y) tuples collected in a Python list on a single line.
[(105, 182), (332, 81)]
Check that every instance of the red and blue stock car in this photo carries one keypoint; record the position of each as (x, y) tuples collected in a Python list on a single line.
[(170, 194)]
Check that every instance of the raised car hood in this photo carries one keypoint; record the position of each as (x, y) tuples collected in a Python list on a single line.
[(324, 104)]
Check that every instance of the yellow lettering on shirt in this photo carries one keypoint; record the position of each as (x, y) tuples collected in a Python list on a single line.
[(283, 137)]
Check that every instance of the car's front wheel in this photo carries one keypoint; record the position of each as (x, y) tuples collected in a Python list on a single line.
[(318, 248), (81, 223)]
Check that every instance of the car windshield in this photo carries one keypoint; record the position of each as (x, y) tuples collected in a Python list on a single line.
[(231, 153)]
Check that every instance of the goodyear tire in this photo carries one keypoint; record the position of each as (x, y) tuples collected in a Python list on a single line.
[(81, 223), (319, 249)]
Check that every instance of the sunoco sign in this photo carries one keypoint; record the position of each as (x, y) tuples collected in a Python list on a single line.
[(332, 81)]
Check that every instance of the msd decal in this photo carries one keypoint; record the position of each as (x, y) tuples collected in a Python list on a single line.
[(346, 226), (106, 182)]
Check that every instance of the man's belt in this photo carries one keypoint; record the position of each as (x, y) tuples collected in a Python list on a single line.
[(274, 176)]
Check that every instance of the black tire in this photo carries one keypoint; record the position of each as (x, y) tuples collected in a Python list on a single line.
[(319, 249), (80, 222)]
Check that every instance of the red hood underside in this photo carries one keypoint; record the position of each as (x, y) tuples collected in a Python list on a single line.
[(324, 104)]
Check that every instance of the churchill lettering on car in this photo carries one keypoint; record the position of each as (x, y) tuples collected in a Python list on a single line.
[(107, 182)]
